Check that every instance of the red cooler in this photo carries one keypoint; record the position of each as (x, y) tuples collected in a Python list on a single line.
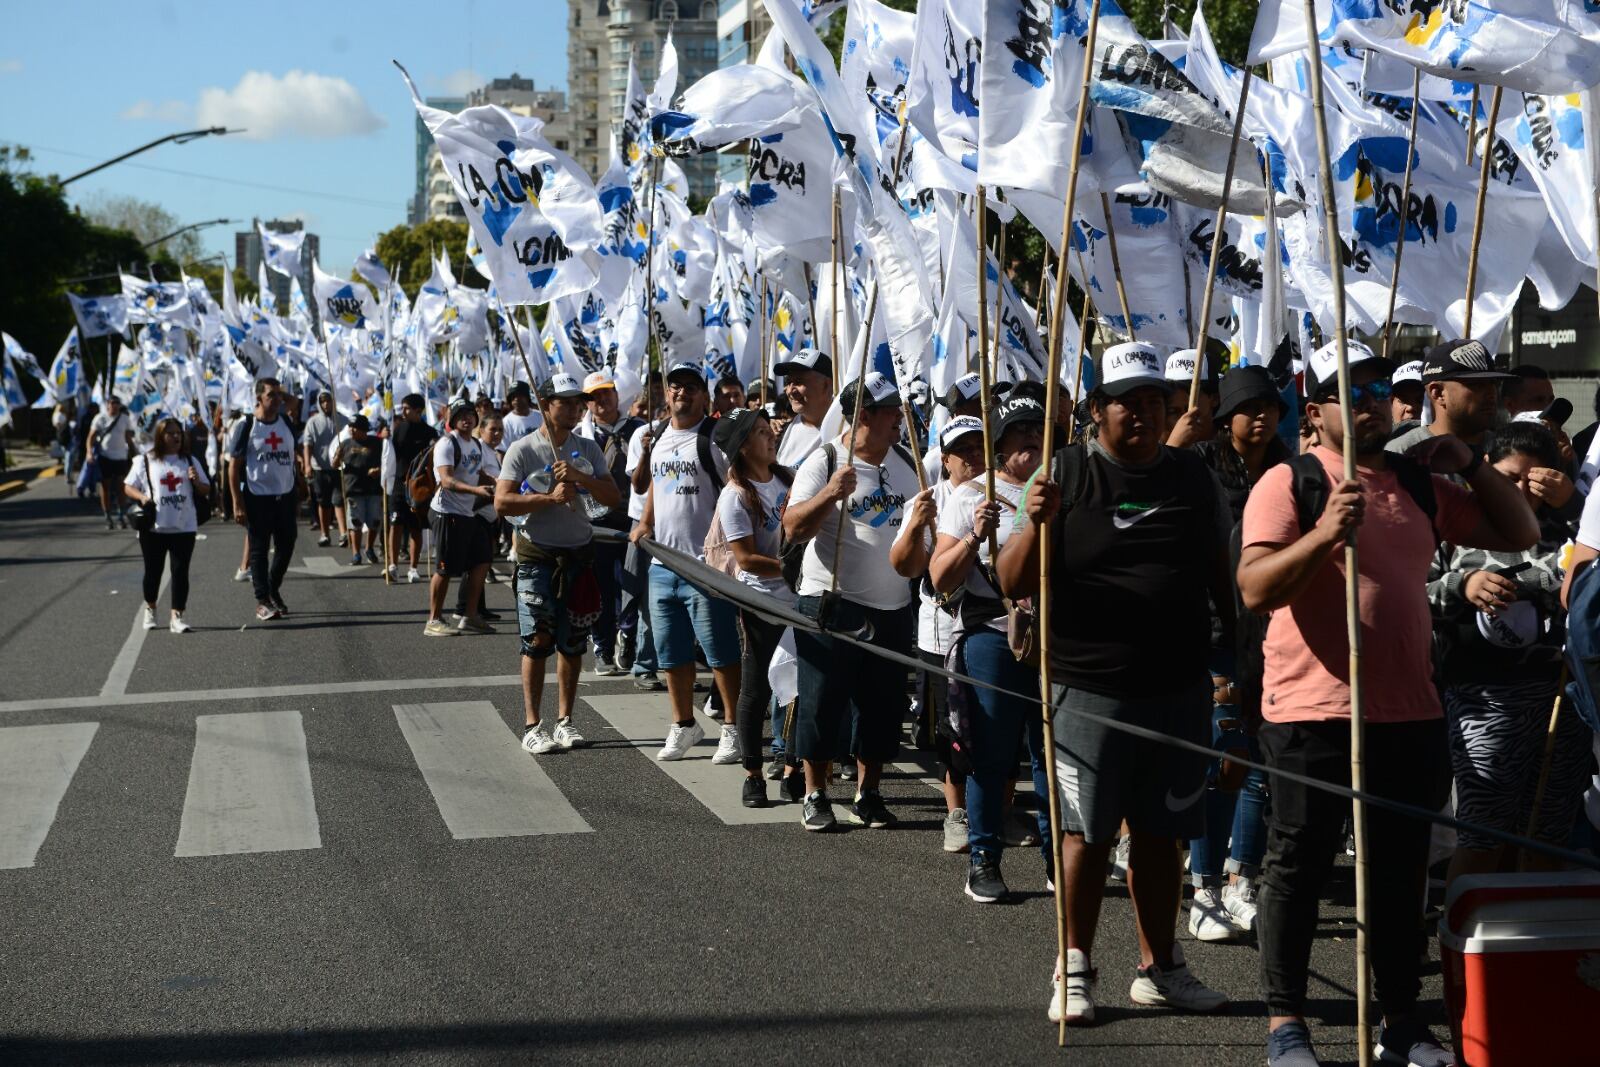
[(1521, 959)]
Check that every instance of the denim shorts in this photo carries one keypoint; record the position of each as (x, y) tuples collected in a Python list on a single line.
[(536, 606), (681, 615)]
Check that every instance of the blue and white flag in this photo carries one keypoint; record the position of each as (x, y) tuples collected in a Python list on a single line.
[(1554, 136), (66, 378), (340, 302), (946, 74), (532, 206), (100, 315), (1537, 46), (1032, 74), (727, 105), (281, 251), (370, 267), (876, 67), (149, 301)]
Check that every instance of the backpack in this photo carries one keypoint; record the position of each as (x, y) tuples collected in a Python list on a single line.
[(1583, 644), (1311, 487), (422, 481), (718, 553), (791, 554)]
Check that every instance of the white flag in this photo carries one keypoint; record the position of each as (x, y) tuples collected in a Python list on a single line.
[(100, 315), (346, 303), (281, 251)]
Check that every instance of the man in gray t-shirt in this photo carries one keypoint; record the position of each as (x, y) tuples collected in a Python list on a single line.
[(320, 431), (540, 491)]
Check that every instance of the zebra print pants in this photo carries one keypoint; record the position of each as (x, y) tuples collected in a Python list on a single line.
[(1497, 735)]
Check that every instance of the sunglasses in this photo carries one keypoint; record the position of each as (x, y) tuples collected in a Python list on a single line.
[(1377, 392)]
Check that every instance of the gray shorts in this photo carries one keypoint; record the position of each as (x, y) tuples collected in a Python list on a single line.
[(366, 510), (1106, 775)]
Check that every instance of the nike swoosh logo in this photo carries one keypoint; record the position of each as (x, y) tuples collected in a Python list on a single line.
[(1123, 521), (1175, 803)]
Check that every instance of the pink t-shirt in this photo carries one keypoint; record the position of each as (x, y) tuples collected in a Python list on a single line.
[(1307, 654)]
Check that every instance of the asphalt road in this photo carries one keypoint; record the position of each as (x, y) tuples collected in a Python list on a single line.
[(617, 912)]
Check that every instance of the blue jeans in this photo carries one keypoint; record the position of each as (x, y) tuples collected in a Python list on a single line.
[(1236, 824), (1000, 724), (681, 615), (613, 617)]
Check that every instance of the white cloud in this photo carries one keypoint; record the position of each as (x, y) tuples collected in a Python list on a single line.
[(299, 104), (10, 66), (165, 111), (460, 82)]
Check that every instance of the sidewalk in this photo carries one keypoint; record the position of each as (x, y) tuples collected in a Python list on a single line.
[(28, 465)]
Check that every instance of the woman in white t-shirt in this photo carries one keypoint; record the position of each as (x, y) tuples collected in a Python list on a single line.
[(750, 509), (995, 721), (168, 475)]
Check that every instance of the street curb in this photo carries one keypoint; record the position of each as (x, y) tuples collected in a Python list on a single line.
[(16, 485)]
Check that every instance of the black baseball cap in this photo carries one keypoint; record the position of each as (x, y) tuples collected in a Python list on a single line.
[(457, 409), (1018, 411), (686, 369), (734, 428), (520, 389), (359, 422), (1460, 361)]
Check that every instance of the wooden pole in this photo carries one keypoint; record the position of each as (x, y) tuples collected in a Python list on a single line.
[(1549, 754), (865, 340), (1472, 125), (1116, 266), (650, 277), (1204, 329), (1405, 208), (516, 337), (1477, 215), (1052, 377), (834, 270), (761, 341), (1352, 573), (984, 366)]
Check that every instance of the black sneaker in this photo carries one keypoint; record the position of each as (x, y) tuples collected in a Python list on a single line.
[(817, 813), (869, 810), (1290, 1046), (1411, 1043), (755, 793), (485, 613), (984, 883), (624, 652), (775, 769), (648, 682), (277, 602), (793, 787)]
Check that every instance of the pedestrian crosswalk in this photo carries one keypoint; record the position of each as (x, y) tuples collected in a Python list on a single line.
[(250, 786)]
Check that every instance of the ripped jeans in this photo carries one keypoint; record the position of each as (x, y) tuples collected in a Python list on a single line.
[(557, 596)]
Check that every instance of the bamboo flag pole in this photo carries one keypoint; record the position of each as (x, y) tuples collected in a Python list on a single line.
[(649, 274), (1472, 124), (984, 366), (1352, 574), (833, 299), (517, 337), (864, 340), (1204, 329), (1116, 265), (1084, 326), (762, 339), (1051, 392), (1405, 208), (1477, 214), (1549, 754)]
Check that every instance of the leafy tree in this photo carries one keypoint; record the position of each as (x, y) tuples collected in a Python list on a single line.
[(408, 252), (145, 220)]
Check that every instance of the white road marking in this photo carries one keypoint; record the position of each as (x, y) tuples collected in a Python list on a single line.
[(122, 667), (321, 567), (483, 782), (264, 692), (642, 720), (36, 766), (249, 787)]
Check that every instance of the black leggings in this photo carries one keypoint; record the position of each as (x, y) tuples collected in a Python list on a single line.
[(760, 638), (155, 547)]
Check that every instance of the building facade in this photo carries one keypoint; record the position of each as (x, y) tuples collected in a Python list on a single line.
[(741, 27), (247, 256), (430, 172), (601, 34)]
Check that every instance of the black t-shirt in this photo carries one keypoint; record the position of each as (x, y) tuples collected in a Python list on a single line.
[(356, 458), (1133, 558), (410, 440)]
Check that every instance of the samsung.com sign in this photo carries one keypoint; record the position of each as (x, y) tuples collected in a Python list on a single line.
[(1549, 338)]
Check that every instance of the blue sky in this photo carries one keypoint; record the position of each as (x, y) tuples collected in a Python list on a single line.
[(332, 127)]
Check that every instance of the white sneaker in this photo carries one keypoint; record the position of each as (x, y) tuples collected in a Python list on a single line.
[(1079, 991), (394, 573), (1240, 900), (680, 739), (1174, 988), (177, 625), (1119, 860), (538, 741), (728, 750), (1209, 919), (412, 577), (149, 618), (566, 736), (242, 575)]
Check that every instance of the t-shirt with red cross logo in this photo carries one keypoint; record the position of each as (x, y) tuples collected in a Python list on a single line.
[(172, 490), (268, 455)]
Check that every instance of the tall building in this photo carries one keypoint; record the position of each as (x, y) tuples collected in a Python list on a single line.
[(434, 198), (429, 170), (247, 256), (600, 36)]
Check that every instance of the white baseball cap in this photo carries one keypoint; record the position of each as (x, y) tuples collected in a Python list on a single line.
[(1129, 366), (957, 428), (1323, 366), (1180, 366), (1408, 372)]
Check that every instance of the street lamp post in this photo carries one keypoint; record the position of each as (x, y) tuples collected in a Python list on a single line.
[(185, 229), (175, 138)]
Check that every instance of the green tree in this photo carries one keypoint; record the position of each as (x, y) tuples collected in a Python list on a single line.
[(408, 252), (145, 220)]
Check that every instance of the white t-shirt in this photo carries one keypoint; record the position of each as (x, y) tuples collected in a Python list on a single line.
[(684, 498), (520, 426), (268, 455), (738, 523), (111, 435), (955, 520), (173, 493), (799, 441), (1589, 524), (631, 464), (491, 467), (935, 627), (465, 455), (876, 512)]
